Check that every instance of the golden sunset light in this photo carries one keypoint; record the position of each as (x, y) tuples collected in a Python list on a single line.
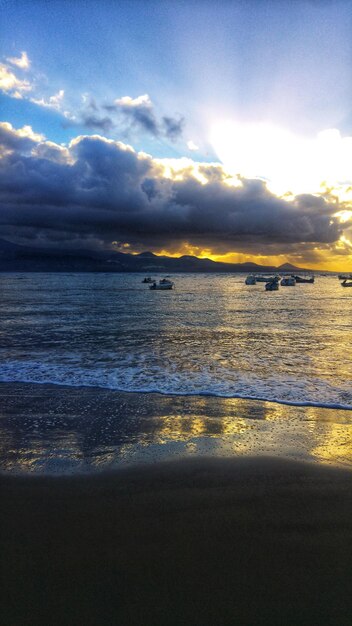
[(287, 162), (176, 312)]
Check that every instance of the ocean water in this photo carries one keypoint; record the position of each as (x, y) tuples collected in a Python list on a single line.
[(212, 335)]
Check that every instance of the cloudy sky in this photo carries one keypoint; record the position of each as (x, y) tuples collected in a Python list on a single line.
[(216, 129)]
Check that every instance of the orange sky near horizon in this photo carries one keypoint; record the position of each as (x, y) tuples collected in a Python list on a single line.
[(330, 262)]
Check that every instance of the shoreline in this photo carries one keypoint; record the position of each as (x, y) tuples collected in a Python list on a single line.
[(48, 429), (57, 429), (190, 510), (174, 394), (201, 541)]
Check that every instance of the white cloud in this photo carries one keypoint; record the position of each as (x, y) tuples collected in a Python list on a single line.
[(10, 84), (192, 146), (22, 62), (14, 140), (53, 152), (25, 131), (54, 101), (127, 101)]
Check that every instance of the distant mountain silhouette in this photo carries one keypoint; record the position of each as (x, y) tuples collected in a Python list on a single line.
[(287, 267), (17, 258)]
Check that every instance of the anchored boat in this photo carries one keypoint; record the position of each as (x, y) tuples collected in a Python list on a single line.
[(289, 281), (163, 284), (301, 279), (260, 278), (345, 276), (273, 285)]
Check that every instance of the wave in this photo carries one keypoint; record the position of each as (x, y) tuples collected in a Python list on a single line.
[(292, 392)]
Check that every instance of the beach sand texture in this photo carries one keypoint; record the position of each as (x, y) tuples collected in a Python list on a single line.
[(54, 429), (197, 542)]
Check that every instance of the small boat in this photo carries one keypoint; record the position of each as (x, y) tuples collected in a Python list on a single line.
[(346, 284), (163, 284), (148, 279), (345, 276), (260, 278), (300, 279), (273, 285), (251, 280), (288, 281)]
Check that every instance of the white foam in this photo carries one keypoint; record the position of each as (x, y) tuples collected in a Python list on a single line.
[(128, 377), (210, 336)]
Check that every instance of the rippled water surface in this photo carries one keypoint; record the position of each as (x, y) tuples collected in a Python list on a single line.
[(211, 335)]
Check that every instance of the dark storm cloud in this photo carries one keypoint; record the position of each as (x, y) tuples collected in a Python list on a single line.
[(110, 108), (173, 127), (16, 140), (51, 151), (142, 118), (91, 103), (104, 191), (98, 123), (129, 115), (139, 114)]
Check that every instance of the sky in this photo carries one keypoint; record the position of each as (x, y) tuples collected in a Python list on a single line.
[(222, 130)]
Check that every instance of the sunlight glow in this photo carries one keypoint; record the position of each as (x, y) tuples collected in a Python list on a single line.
[(338, 258), (346, 241), (178, 168), (344, 216), (287, 162)]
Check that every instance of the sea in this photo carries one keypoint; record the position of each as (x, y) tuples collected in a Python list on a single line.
[(211, 337)]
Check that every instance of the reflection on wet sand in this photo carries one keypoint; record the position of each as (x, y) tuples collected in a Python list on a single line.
[(335, 445), (59, 429)]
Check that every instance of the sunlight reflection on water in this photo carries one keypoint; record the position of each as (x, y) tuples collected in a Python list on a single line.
[(212, 334), (60, 430)]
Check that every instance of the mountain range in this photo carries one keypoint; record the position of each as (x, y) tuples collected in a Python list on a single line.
[(18, 258)]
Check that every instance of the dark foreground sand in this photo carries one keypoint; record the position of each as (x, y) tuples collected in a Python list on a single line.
[(190, 542)]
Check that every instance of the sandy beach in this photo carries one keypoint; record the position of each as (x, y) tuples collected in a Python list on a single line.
[(175, 327), (54, 429), (202, 541)]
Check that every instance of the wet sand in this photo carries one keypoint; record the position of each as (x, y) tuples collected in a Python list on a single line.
[(196, 542), (54, 429)]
